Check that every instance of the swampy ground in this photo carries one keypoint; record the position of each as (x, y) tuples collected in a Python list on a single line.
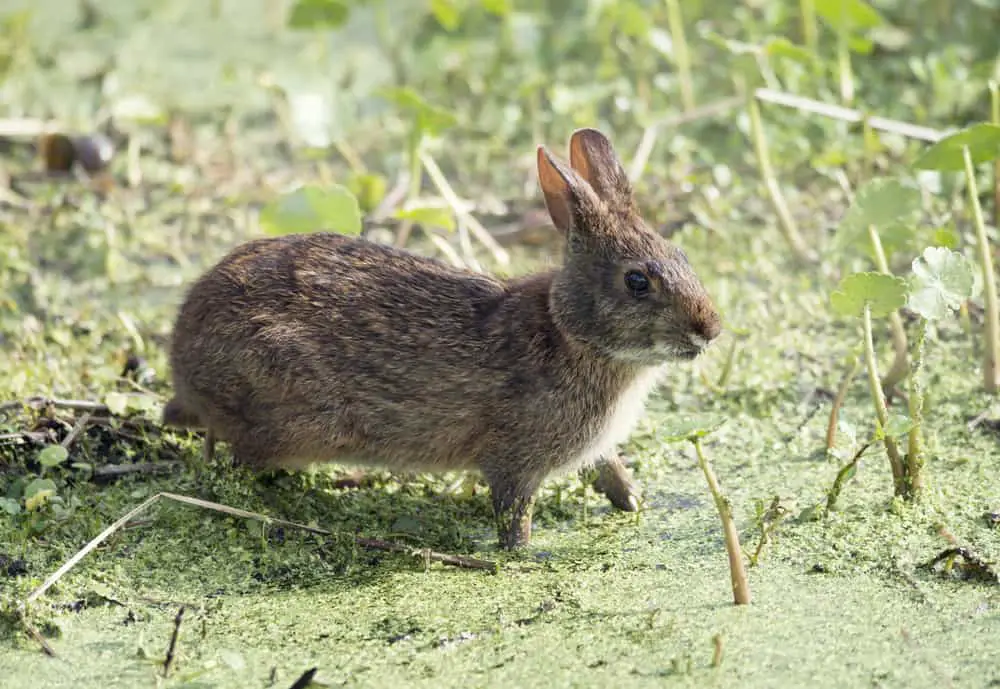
[(218, 99)]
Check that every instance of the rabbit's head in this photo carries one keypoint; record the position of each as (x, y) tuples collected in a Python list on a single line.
[(624, 289)]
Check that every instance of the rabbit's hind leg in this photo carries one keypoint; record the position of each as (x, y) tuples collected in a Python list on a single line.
[(615, 482)]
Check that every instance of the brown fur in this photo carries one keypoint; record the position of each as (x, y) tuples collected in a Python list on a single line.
[(320, 347)]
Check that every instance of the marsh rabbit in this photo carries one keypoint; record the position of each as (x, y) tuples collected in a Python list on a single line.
[(321, 347)]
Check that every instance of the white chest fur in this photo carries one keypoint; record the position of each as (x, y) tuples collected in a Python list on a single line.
[(622, 417)]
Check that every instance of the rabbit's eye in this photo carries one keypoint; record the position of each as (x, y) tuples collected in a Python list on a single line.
[(637, 283)]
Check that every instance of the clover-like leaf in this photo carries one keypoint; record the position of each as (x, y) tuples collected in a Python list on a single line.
[(982, 140), (313, 208), (942, 280), (884, 202), (882, 293), (690, 429), (52, 455), (447, 13)]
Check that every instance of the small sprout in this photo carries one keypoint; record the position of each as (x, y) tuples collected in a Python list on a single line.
[(882, 294), (942, 281), (38, 493), (312, 208)]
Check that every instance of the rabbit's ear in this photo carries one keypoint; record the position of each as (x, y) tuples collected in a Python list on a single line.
[(567, 195), (592, 156)]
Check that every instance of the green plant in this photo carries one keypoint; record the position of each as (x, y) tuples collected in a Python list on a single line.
[(693, 432), (962, 151), (865, 295), (849, 19), (942, 281), (882, 205)]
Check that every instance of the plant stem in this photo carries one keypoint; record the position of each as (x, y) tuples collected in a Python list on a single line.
[(990, 379), (727, 368), (844, 59), (900, 364), (737, 570), (838, 402), (995, 118), (785, 221), (810, 34), (416, 177), (881, 412), (914, 453), (676, 24)]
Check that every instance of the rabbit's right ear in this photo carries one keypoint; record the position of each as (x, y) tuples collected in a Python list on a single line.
[(567, 195)]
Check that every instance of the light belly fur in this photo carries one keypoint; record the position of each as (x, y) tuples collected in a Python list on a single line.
[(621, 420)]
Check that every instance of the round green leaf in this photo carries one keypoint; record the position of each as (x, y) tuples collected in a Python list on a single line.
[(311, 209), (10, 506), (689, 429), (52, 455), (882, 293), (447, 13), (982, 140), (942, 280), (117, 403), (881, 202)]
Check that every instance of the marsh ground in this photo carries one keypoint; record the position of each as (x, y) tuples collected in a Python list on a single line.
[(600, 598)]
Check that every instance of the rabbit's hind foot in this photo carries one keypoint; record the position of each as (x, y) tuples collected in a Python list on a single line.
[(614, 481)]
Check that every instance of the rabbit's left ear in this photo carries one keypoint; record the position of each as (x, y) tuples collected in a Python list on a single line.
[(568, 197), (594, 159)]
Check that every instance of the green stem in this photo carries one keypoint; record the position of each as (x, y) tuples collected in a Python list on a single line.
[(900, 364), (416, 177), (810, 33), (675, 21), (914, 454), (737, 570), (995, 118), (844, 60), (785, 220), (838, 402), (990, 379), (727, 368), (881, 412)]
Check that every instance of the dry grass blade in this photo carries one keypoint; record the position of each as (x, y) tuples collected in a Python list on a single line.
[(475, 227), (374, 544), (42, 402), (839, 112)]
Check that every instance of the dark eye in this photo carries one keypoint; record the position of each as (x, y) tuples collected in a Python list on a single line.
[(637, 283)]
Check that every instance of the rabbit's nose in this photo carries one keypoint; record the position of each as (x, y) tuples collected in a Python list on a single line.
[(705, 328)]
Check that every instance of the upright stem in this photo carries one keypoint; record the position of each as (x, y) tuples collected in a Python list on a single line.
[(838, 402), (737, 570), (881, 412), (990, 379), (844, 63), (900, 364), (785, 221), (914, 454), (676, 21), (416, 178), (995, 118), (810, 35)]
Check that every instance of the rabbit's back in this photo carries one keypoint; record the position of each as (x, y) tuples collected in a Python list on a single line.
[(314, 345)]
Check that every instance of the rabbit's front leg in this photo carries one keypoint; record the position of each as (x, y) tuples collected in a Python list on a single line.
[(615, 482), (513, 502)]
